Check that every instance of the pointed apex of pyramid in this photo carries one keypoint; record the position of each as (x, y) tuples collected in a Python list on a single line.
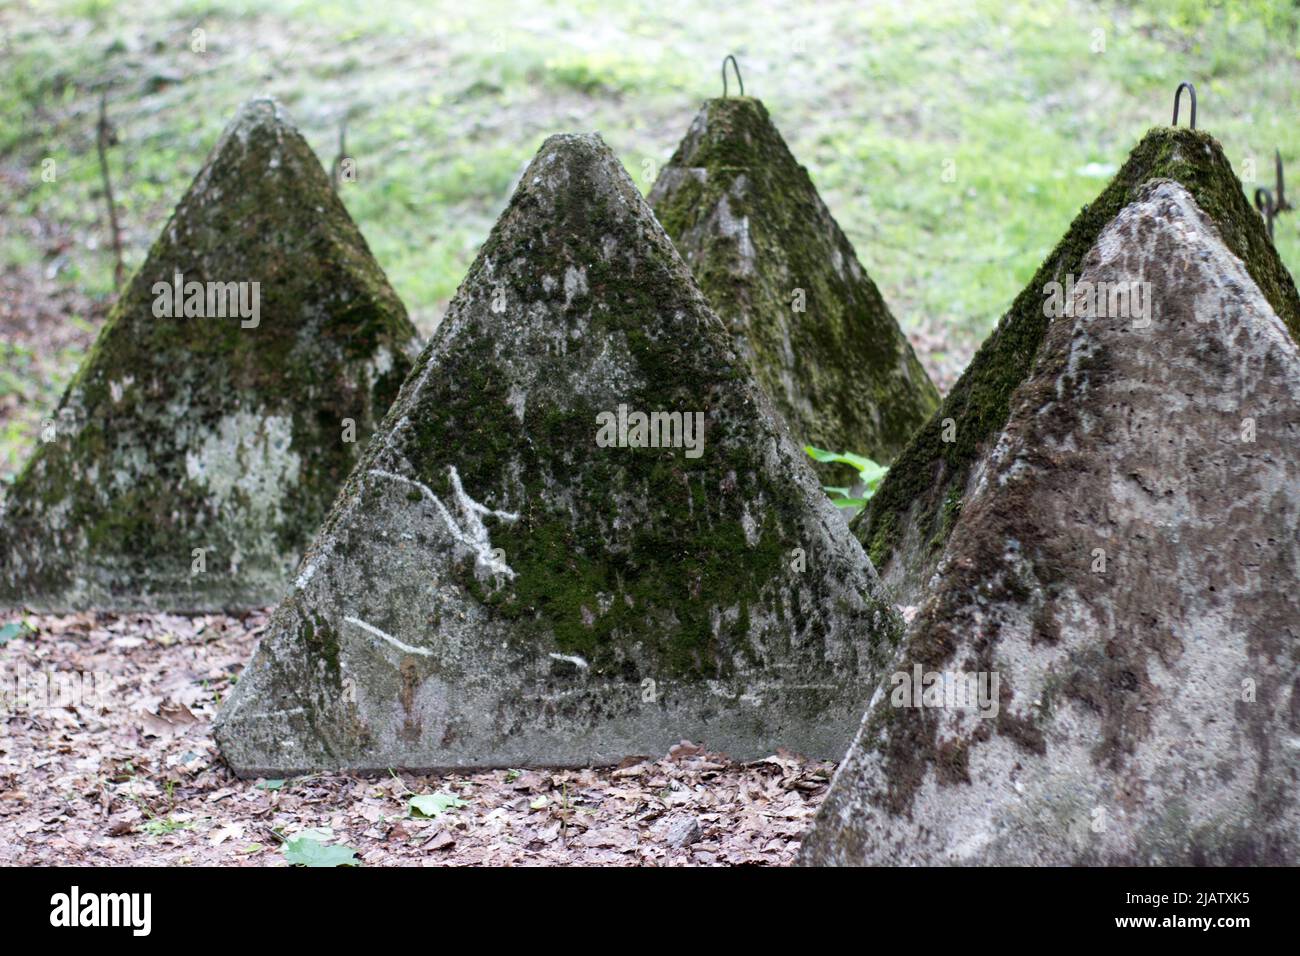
[(573, 147), (576, 151), (785, 280), (912, 514), (263, 150), (1104, 669), (256, 117), (582, 534), (733, 132), (227, 397), (573, 177), (257, 121), (258, 112)]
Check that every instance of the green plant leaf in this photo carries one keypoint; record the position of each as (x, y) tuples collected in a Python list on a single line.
[(308, 850), (867, 468), (870, 475), (434, 804), (270, 785), (821, 454), (14, 629)]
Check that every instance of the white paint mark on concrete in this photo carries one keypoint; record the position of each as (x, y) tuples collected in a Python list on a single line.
[(572, 659), (263, 715), (400, 645), (473, 535)]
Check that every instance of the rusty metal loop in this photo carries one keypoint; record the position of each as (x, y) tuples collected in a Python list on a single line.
[(1264, 203), (1264, 200), (1282, 204), (1269, 205), (1191, 91), (739, 81)]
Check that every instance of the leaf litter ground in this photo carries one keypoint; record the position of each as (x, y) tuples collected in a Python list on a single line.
[(131, 776)]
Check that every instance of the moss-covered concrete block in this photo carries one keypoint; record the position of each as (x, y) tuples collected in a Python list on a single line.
[(909, 520), (517, 574), (1106, 667), (227, 398), (781, 275)]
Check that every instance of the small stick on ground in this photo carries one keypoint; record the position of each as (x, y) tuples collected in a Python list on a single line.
[(336, 171), (105, 138)]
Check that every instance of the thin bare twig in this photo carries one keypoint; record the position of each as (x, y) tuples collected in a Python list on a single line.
[(105, 138), (336, 172)]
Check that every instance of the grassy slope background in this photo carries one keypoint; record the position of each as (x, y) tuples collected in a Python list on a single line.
[(1031, 106)]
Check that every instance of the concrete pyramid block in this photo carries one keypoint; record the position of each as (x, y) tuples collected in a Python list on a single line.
[(785, 280), (908, 522), (1105, 669), (582, 533), (199, 447)]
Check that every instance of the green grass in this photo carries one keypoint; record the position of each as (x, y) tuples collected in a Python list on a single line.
[(446, 103)]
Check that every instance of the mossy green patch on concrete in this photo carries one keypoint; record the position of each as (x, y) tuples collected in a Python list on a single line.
[(194, 456), (928, 479), (510, 589), (785, 280)]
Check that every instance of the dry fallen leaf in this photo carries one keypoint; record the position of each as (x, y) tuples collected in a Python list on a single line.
[(220, 836)]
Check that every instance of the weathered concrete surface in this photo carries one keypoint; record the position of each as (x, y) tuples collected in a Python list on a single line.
[(785, 280), (1127, 564), (906, 525), (224, 434), (495, 588)]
